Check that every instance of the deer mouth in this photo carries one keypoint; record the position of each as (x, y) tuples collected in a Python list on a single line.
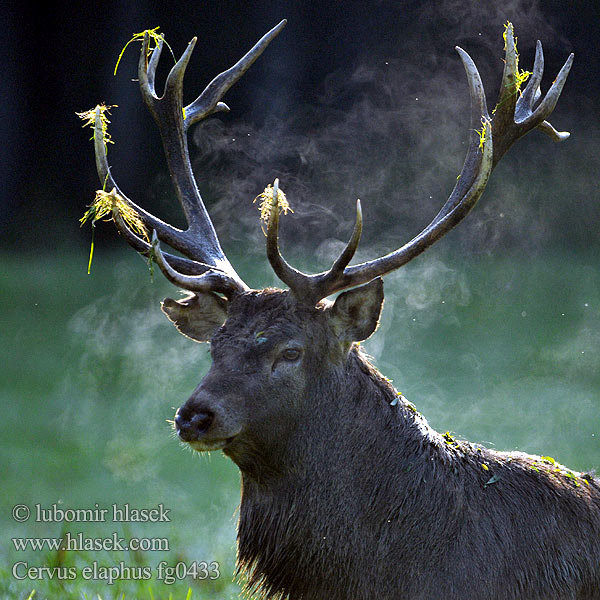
[(209, 445)]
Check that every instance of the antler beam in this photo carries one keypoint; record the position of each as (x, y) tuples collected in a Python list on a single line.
[(513, 117), (206, 266)]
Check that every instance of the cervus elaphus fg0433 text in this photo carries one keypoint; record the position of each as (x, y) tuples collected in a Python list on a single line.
[(347, 493)]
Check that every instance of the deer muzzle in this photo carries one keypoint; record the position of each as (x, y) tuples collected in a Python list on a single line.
[(203, 423)]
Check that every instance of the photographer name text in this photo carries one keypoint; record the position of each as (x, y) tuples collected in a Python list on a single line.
[(117, 513)]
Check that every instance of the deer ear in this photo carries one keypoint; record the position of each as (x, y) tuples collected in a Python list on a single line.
[(196, 316), (355, 314)]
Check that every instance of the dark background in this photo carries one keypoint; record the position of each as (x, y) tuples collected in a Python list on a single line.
[(331, 108)]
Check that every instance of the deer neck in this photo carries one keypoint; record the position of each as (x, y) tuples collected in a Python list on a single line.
[(350, 473)]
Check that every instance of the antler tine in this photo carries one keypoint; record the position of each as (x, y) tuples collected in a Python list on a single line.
[(183, 265), (531, 93), (348, 252), (324, 284), (208, 101), (147, 71), (212, 280), (549, 102), (504, 112), (553, 134), (473, 158), (309, 287), (295, 279)]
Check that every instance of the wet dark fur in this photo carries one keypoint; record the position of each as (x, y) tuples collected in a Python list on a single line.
[(363, 500)]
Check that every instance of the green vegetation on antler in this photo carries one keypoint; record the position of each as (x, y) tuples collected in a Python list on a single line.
[(153, 36), (268, 203)]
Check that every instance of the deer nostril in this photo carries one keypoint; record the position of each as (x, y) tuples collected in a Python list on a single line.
[(190, 428), (202, 421)]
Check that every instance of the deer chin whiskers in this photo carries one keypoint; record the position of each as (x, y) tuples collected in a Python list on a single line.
[(210, 445)]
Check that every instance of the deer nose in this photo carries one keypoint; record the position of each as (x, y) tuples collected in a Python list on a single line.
[(191, 425)]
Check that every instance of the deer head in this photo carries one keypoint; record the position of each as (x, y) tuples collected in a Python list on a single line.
[(277, 351)]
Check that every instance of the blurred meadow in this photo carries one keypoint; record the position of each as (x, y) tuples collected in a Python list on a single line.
[(496, 350)]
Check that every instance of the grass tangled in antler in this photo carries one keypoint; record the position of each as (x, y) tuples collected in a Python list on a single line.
[(153, 36), (106, 204), (482, 133), (268, 203), (89, 118), (104, 207), (521, 76)]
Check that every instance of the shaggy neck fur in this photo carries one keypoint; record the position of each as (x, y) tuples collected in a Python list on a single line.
[(376, 503)]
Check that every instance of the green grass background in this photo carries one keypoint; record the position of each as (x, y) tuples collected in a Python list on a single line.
[(500, 350)]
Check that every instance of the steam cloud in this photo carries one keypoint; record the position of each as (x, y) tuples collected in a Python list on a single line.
[(392, 130)]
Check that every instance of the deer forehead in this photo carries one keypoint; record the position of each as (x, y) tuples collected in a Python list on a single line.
[(260, 319)]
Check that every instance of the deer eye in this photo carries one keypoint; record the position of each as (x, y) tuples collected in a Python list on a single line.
[(291, 354)]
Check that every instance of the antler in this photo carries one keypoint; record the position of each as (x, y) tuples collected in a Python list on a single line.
[(206, 266), (513, 117)]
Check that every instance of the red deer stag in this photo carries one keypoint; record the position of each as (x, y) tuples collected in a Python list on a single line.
[(347, 493)]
